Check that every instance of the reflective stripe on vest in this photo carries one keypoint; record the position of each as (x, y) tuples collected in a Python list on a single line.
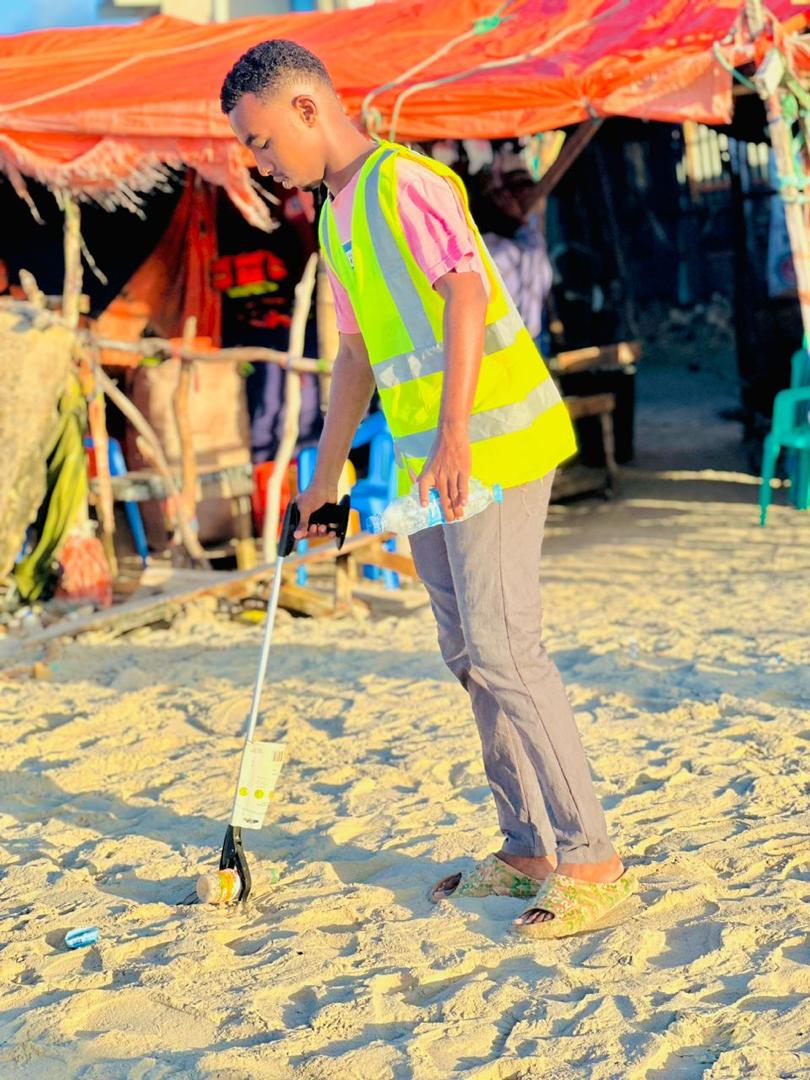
[(493, 422), (397, 276), (430, 360)]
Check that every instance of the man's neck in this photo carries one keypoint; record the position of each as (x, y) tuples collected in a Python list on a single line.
[(347, 159)]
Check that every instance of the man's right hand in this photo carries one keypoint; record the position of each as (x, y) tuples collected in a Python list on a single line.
[(308, 502)]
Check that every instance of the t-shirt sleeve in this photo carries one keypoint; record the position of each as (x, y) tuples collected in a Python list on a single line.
[(344, 312), (435, 224)]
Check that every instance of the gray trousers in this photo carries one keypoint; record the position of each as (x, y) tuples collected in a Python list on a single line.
[(482, 578)]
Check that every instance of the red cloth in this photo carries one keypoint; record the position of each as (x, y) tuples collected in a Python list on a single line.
[(176, 280), (96, 108), (85, 571)]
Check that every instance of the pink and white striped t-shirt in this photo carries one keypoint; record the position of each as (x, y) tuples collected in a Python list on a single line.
[(435, 226)]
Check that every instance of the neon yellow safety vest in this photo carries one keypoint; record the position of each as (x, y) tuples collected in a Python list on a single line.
[(519, 428)]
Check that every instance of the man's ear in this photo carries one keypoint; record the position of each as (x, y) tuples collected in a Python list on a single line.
[(306, 107)]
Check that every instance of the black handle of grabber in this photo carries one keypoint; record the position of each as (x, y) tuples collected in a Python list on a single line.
[(334, 515), (233, 858)]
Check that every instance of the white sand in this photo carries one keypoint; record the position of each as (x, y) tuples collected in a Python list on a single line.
[(683, 633)]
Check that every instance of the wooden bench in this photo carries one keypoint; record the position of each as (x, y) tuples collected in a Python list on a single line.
[(577, 479)]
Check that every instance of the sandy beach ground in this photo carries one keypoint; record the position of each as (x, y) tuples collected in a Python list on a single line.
[(683, 633)]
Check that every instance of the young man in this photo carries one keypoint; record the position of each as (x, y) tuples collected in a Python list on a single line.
[(423, 314)]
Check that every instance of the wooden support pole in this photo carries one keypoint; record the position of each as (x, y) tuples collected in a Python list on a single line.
[(572, 148), (154, 452), (292, 409), (72, 288), (72, 292), (182, 418)]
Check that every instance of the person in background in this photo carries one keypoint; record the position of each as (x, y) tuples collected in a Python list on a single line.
[(511, 226)]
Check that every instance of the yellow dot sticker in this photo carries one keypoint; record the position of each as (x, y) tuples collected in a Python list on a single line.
[(258, 793), (243, 791)]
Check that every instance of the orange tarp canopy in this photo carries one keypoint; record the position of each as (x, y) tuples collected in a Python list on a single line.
[(105, 110)]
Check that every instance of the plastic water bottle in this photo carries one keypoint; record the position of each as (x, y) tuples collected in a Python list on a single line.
[(406, 514), (219, 887)]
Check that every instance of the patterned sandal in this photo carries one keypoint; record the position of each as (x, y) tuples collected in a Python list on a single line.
[(492, 877), (575, 905)]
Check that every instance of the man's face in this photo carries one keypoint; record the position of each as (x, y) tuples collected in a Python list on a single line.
[(285, 135)]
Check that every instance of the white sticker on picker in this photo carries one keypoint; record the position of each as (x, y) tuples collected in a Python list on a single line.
[(258, 777)]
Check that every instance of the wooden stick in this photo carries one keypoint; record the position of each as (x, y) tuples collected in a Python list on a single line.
[(247, 355), (73, 262), (182, 417), (71, 292), (34, 294), (292, 409), (164, 348), (572, 148), (158, 460)]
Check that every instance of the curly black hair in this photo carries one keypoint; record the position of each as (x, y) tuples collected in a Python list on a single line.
[(263, 68)]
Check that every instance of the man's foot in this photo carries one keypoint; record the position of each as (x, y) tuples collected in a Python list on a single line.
[(535, 866), (564, 905), (600, 872), (495, 876)]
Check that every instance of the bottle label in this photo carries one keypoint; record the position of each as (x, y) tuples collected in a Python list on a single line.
[(435, 514)]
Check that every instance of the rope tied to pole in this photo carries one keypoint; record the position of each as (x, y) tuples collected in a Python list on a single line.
[(372, 118)]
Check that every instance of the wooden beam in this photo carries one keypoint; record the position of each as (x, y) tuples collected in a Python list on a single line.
[(141, 485), (388, 560), (165, 347), (589, 405), (622, 354), (572, 148), (143, 610)]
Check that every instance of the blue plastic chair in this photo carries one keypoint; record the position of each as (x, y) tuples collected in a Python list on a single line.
[(790, 428), (369, 495), (800, 367), (118, 467)]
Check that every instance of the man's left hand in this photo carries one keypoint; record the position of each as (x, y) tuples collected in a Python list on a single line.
[(448, 470)]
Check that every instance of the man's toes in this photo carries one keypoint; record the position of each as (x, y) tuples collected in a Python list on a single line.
[(535, 915), (447, 886)]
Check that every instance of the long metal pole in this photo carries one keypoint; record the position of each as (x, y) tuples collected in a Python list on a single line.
[(258, 686)]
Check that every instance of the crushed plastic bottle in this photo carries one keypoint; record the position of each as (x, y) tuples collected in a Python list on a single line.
[(220, 887), (406, 514), (82, 937)]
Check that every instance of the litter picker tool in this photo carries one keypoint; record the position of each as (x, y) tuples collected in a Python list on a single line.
[(261, 761)]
